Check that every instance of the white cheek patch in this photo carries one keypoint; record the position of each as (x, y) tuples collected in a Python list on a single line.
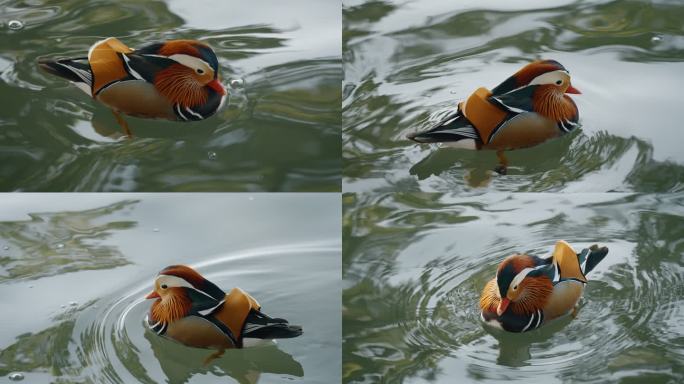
[(551, 77), (191, 62)]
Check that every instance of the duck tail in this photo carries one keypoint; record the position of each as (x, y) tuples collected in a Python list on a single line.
[(260, 326), (454, 127), (76, 70), (590, 257)]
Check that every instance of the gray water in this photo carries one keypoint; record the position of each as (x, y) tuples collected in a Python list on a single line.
[(407, 64), (74, 270), (423, 227), (280, 130), (414, 265)]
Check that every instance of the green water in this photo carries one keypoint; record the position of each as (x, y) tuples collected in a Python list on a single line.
[(414, 265), (425, 227), (74, 270), (407, 63), (279, 132), (322, 96)]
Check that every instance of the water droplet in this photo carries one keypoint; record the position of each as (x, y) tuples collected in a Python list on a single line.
[(60, 246), (15, 25), (62, 306), (16, 376), (656, 38), (73, 303), (237, 83), (5, 247), (30, 286), (59, 40), (453, 92), (155, 230), (211, 155), (251, 198)]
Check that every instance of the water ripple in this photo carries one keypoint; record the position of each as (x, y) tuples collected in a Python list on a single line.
[(412, 292), (115, 344)]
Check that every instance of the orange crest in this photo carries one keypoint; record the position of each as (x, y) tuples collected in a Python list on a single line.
[(527, 73), (186, 47)]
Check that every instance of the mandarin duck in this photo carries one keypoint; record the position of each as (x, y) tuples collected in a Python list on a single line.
[(529, 291), (193, 311), (174, 80), (527, 109)]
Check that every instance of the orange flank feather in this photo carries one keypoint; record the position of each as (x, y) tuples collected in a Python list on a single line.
[(553, 105), (177, 84), (171, 308)]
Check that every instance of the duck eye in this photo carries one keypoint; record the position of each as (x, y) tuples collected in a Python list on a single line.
[(515, 287), (559, 82), (200, 71), (164, 286)]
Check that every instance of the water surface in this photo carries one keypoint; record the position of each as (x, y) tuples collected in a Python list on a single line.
[(407, 64), (279, 132), (74, 270), (414, 265)]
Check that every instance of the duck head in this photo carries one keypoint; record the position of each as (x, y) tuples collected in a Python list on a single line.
[(179, 290), (190, 74), (541, 72), (522, 288)]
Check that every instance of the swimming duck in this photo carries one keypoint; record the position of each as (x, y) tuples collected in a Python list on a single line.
[(193, 311), (174, 80), (529, 291), (527, 109)]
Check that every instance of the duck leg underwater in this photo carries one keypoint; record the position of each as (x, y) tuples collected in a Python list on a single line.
[(175, 80), (528, 108)]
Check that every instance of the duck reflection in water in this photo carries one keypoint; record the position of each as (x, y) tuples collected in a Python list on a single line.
[(514, 348), (180, 363), (435, 163)]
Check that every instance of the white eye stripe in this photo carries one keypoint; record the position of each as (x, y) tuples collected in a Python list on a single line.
[(523, 274), (520, 276), (190, 61), (175, 281), (551, 77)]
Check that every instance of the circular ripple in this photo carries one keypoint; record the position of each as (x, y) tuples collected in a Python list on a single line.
[(116, 347), (446, 316)]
